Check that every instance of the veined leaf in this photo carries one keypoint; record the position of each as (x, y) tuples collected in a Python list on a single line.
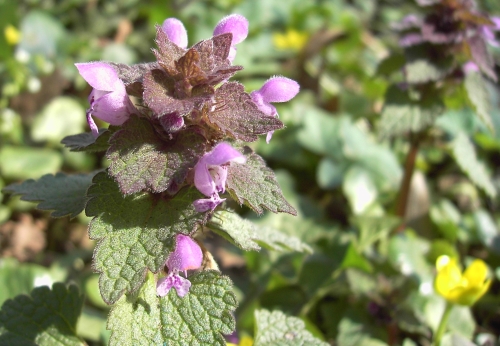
[(199, 318), (248, 236), (46, 317), (254, 184), (65, 194), (277, 329), (141, 160), (465, 155), (135, 233)]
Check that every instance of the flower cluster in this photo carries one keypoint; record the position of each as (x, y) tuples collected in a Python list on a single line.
[(456, 25), (189, 123)]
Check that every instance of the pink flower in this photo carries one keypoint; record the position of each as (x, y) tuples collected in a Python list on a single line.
[(488, 31), (176, 32), (108, 100), (210, 174), (235, 24), (186, 256), (275, 89)]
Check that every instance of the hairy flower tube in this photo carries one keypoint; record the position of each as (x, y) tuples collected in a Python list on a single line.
[(461, 288), (275, 89), (176, 32), (235, 24), (108, 99), (186, 256), (210, 174)]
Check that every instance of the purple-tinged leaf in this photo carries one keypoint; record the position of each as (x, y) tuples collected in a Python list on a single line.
[(236, 114), (141, 160), (255, 185), (132, 76), (168, 52), (158, 95), (482, 57), (88, 142), (135, 233)]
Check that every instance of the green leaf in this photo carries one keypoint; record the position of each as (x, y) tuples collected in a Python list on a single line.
[(199, 318), (402, 114), (62, 116), (477, 91), (247, 235), (27, 162), (277, 329), (357, 328), (135, 233), (254, 184), (465, 156), (46, 317), (65, 194), (87, 142), (423, 70), (19, 278), (141, 160)]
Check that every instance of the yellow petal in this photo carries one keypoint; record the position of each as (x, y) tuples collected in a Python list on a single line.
[(246, 341), (12, 35), (476, 273)]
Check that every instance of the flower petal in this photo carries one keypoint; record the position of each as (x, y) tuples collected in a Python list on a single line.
[(114, 108), (279, 89), (101, 76), (476, 273), (182, 286), (203, 205), (187, 254), (176, 32), (223, 153), (235, 24), (202, 178)]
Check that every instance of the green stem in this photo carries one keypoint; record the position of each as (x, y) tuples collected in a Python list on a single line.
[(442, 325)]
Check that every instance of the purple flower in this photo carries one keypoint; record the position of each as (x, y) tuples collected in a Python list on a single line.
[(235, 24), (275, 89), (187, 255), (488, 31), (176, 32), (470, 67), (210, 174), (108, 100)]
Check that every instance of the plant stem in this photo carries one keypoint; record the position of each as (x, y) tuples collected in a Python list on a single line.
[(404, 190), (442, 325)]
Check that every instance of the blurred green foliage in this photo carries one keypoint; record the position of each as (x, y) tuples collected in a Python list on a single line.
[(364, 284)]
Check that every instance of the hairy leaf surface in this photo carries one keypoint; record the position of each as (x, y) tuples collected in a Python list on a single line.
[(87, 142), (135, 233), (237, 115), (199, 318), (141, 160), (247, 236), (62, 193), (277, 329), (46, 317), (255, 185)]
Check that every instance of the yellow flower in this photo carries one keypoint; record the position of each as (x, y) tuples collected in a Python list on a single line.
[(461, 288), (244, 341), (292, 39), (12, 35)]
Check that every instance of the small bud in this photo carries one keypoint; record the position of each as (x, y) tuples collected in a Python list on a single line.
[(176, 32), (172, 122), (235, 24)]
